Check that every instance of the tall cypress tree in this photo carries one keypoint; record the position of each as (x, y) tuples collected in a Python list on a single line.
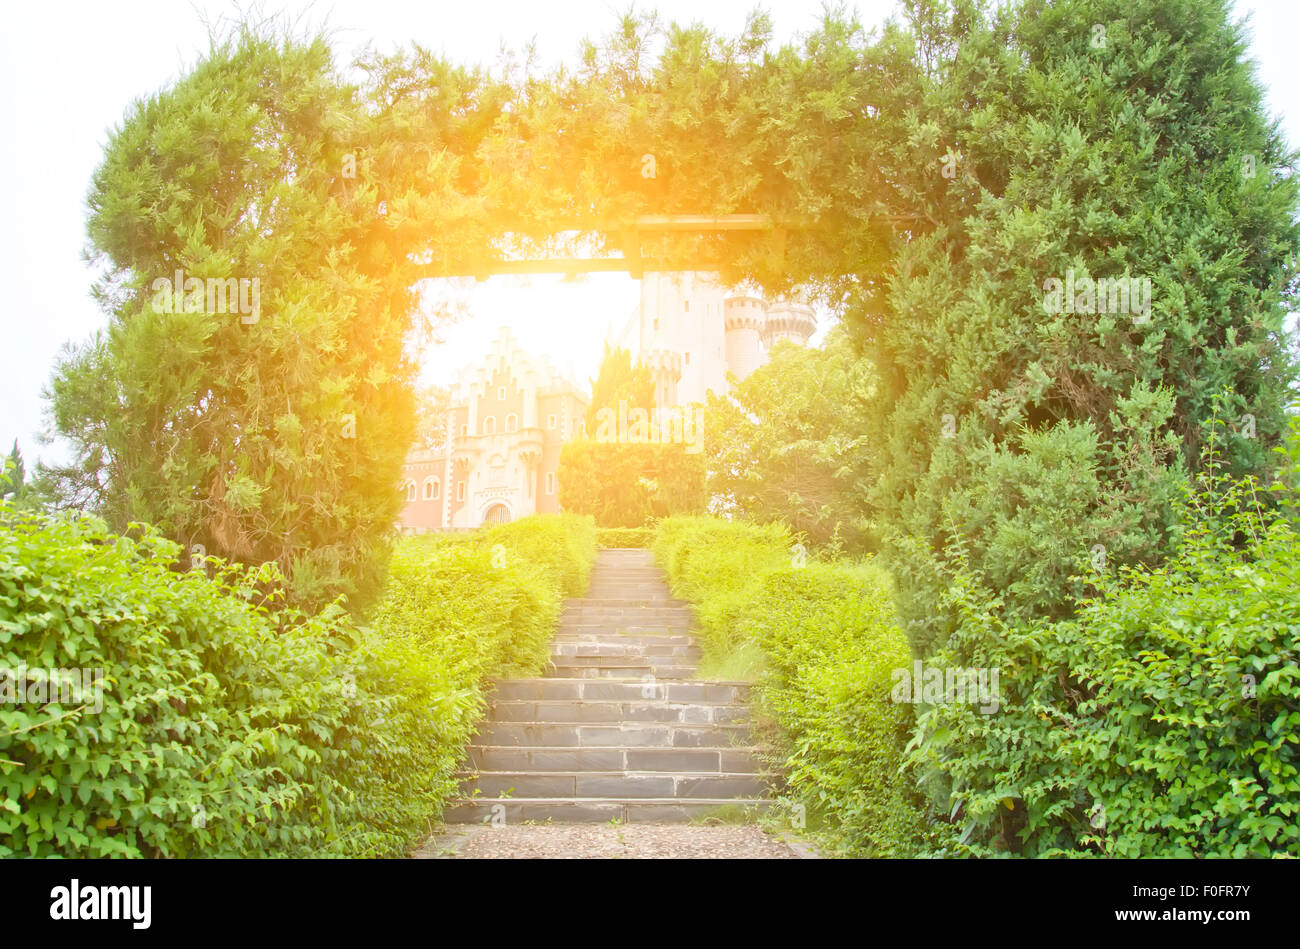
[(262, 412), (1027, 420)]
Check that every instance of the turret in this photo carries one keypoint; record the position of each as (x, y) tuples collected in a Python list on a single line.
[(746, 319), (789, 319)]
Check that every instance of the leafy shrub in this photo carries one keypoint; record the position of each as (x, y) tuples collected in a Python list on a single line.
[(625, 484), (787, 443), (1163, 719), (1019, 515), (716, 564), (563, 546), (222, 722), (625, 536), (487, 605), (829, 641), (231, 725)]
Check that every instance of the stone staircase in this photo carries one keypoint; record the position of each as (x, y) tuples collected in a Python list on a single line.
[(617, 730)]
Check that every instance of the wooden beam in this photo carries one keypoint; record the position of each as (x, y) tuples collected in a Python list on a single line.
[(628, 237), (560, 265), (704, 222), (700, 223)]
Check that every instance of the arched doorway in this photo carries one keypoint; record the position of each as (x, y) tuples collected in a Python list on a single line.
[(497, 514)]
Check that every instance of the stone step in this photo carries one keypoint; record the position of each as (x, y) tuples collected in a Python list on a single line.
[(630, 639), (616, 730), (595, 810), (689, 713), (648, 578), (593, 649), (622, 602), (613, 735), (705, 692), (626, 670), (747, 760), (653, 661), (517, 785), (616, 612), (631, 575), (618, 629), (630, 618)]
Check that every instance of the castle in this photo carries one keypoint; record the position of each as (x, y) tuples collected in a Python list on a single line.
[(493, 458), (691, 331)]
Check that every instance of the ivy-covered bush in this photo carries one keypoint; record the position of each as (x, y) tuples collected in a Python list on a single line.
[(1162, 719), (230, 725), (829, 643)]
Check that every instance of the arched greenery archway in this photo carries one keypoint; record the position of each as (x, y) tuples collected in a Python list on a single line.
[(927, 181)]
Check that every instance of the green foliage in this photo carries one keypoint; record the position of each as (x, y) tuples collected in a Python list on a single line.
[(1020, 514), (625, 536), (829, 642), (1149, 156), (232, 725), (629, 484), (487, 604), (788, 445), (14, 484), (270, 433), (1163, 719), (617, 381)]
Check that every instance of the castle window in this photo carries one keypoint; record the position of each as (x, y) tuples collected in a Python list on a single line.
[(431, 488), (656, 324), (460, 490), (550, 420), (512, 422), (490, 425), (410, 490), (686, 306), (688, 359), (464, 430), (501, 393), (550, 482)]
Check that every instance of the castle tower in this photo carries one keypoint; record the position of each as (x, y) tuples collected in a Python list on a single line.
[(678, 329), (692, 333), (789, 319), (746, 321)]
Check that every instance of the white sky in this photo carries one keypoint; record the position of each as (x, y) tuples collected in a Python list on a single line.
[(69, 70)]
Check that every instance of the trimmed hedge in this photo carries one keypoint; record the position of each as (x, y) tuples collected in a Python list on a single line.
[(829, 642), (233, 726), (624, 536)]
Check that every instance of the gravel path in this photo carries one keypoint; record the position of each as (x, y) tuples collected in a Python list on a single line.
[(530, 841)]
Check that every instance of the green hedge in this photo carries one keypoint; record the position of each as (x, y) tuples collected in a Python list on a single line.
[(487, 604), (1161, 720), (624, 484), (231, 726), (828, 642), (625, 536)]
